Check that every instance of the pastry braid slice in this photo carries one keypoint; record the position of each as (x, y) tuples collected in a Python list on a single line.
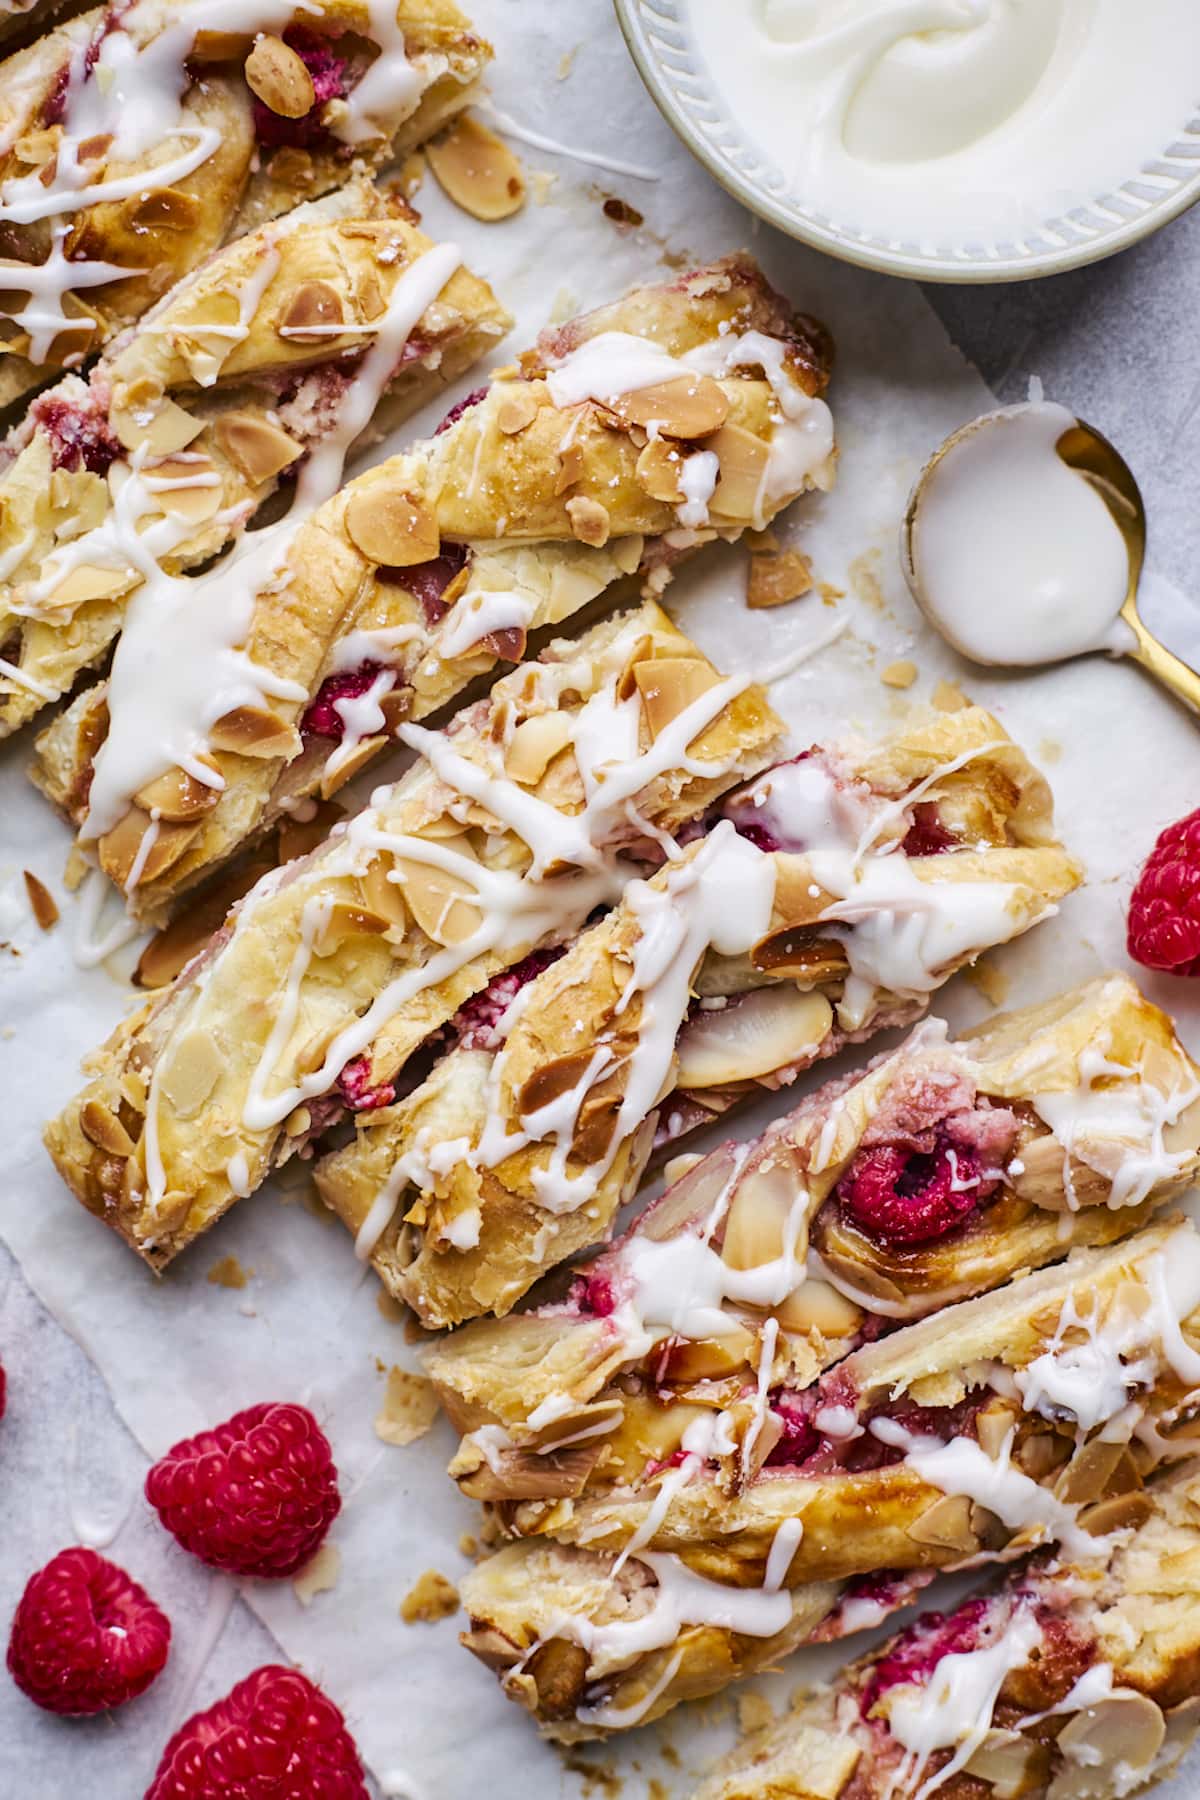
[(136, 141), (243, 377), (425, 572), (1068, 1682), (939, 1173), (811, 914), (1030, 1417), (532, 808)]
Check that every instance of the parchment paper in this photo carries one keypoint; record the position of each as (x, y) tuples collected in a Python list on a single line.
[(182, 1353)]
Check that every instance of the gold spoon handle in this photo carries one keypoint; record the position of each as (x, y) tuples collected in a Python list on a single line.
[(1157, 660)]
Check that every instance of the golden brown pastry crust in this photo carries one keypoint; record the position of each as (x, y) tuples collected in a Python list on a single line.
[(216, 386), (517, 479), (162, 232), (588, 1363), (1008, 807), (201, 1043), (1135, 1615)]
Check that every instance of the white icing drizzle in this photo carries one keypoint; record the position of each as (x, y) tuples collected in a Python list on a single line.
[(90, 946), (621, 1718), (47, 284), (779, 1559), (486, 611), (1127, 1117), (758, 1418), (697, 479), (683, 1598), (537, 140)]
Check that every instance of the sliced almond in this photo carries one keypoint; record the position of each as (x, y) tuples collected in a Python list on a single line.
[(440, 903), (743, 459), (589, 520), (381, 894), (802, 952), (344, 921), (946, 1525), (280, 78), (477, 170), (659, 468), (190, 1072), (258, 449), (41, 901), (707, 1359), (776, 579), (756, 1224), (103, 1128), (253, 731), (337, 773), (163, 209), (668, 685), (570, 468), (516, 408), (552, 1080), (817, 1306), (1124, 1730), (171, 949), (177, 796), (533, 746), (197, 501), (310, 313), (392, 528), (687, 406), (88, 582), (1087, 1475), (160, 428), (765, 1031)]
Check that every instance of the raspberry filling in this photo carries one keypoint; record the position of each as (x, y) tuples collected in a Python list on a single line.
[(904, 1196), (322, 718), (916, 1653), (79, 436), (459, 408), (594, 1295), (476, 1025), (328, 71), (355, 1084), (427, 582), (927, 836), (804, 1449)]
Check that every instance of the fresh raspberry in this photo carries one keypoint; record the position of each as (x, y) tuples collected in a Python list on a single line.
[(275, 1737), (256, 1496), (1164, 908), (902, 1197), (85, 1636)]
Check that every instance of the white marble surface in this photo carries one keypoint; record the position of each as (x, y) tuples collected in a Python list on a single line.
[(1115, 343)]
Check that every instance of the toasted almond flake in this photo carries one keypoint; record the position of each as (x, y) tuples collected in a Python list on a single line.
[(440, 902), (570, 468), (228, 1273), (589, 520), (177, 796), (105, 1130), (431, 1597), (659, 468), (255, 446), (410, 1405), (516, 408), (668, 685), (755, 1712), (392, 528), (899, 674), (534, 744), (280, 78), (947, 696), (160, 427), (688, 406), (252, 731), (76, 869), (42, 903), (743, 459), (991, 981), (478, 171), (88, 582), (309, 313), (319, 1574), (777, 577), (191, 1073)]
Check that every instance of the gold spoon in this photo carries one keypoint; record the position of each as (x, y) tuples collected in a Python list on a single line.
[(1084, 448)]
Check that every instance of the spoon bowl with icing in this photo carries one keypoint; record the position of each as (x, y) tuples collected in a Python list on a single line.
[(1023, 543)]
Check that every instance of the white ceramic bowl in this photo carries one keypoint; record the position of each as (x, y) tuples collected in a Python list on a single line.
[(658, 38)]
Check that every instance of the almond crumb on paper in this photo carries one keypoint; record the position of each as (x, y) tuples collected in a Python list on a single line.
[(755, 1712), (42, 903), (410, 1405), (900, 674), (228, 1273), (777, 577), (947, 696), (991, 982), (477, 170), (319, 1574), (430, 1598)]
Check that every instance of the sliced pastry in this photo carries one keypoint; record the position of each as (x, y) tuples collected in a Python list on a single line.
[(259, 369), (942, 1171), (531, 809), (1030, 1416), (825, 901), (236, 695), (1071, 1681), (135, 140)]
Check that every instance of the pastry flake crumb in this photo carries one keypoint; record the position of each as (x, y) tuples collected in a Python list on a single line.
[(830, 595), (1050, 750), (411, 173), (947, 696), (42, 903), (755, 1712), (468, 1544), (542, 183), (991, 982), (864, 579), (431, 1597), (776, 577), (319, 1574), (900, 674), (75, 870), (410, 1405), (566, 63), (228, 1273)]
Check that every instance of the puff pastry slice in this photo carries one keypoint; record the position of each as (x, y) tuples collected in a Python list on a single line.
[(817, 909), (1068, 1682), (425, 572), (134, 142), (1028, 1417), (232, 385), (532, 808), (1059, 1126)]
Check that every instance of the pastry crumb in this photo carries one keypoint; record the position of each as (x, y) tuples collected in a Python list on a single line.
[(566, 63), (620, 211), (755, 1712), (410, 1405), (991, 982), (228, 1273), (600, 1780), (830, 595), (431, 1597), (468, 1544), (542, 182), (42, 903), (777, 576), (1050, 750), (947, 696), (864, 579), (319, 1574), (900, 674), (75, 870)]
